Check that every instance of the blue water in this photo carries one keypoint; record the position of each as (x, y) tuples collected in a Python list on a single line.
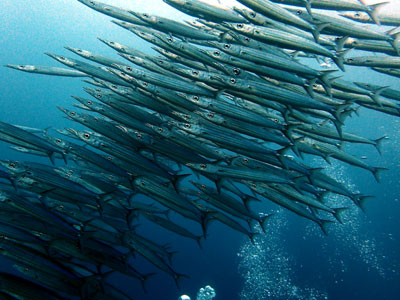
[(358, 260)]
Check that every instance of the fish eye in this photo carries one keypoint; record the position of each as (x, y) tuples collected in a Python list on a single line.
[(98, 96), (349, 59), (112, 43), (211, 115), (109, 158), (123, 74), (187, 125), (247, 39), (86, 135), (92, 3), (11, 165), (356, 14), (299, 12), (169, 40), (275, 120), (253, 14), (257, 31), (129, 68), (195, 72), (145, 84), (203, 166), (245, 160), (203, 186), (142, 183), (161, 61), (160, 129), (62, 57), (67, 175), (236, 71), (139, 135), (79, 50), (239, 25), (314, 86), (58, 141), (196, 98), (114, 86), (233, 80), (90, 102), (254, 185), (145, 15), (72, 113), (217, 53), (227, 46)]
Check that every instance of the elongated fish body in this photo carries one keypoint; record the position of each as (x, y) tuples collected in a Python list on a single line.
[(281, 200), (182, 60), (112, 11), (123, 48), (387, 92), (186, 141), (370, 45), (113, 114), (244, 127), (167, 224), (338, 26), (345, 157), (88, 69), (47, 70), (333, 134), (276, 12), (239, 173), (258, 19), (328, 4), (18, 287), (270, 91), (255, 68), (101, 126), (233, 110), (374, 61), (168, 199), (98, 58), (390, 20), (281, 39), (147, 64), (28, 138), (204, 10), (267, 59), (388, 71), (222, 137), (132, 110), (164, 81), (174, 27)]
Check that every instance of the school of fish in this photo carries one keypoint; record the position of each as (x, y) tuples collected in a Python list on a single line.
[(221, 118)]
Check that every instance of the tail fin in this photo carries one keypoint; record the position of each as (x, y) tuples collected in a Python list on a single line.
[(252, 236), (177, 180), (359, 200), (198, 240), (338, 213), (178, 277), (373, 10), (323, 223), (339, 58), (378, 144), (376, 172), (263, 220)]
